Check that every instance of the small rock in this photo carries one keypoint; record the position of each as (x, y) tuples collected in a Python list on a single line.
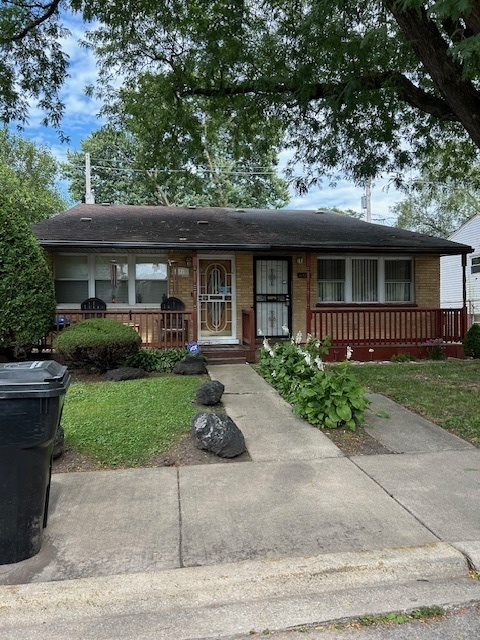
[(190, 365), (58, 442), (217, 433), (125, 373), (210, 392)]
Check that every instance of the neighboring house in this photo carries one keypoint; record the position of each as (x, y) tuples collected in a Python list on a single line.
[(237, 275), (451, 272)]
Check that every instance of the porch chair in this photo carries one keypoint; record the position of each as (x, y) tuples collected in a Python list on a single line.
[(174, 326), (93, 306)]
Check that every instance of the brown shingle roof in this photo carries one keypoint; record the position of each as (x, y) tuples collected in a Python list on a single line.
[(125, 226)]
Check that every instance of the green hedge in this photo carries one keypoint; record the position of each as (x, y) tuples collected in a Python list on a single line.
[(98, 344)]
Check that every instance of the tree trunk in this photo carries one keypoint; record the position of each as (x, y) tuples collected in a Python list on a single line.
[(446, 73)]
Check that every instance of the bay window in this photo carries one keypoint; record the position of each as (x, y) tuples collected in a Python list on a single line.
[(365, 280)]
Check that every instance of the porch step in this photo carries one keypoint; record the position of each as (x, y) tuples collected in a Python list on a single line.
[(227, 354)]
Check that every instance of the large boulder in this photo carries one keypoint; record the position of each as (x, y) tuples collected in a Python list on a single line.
[(218, 433), (190, 365), (210, 392), (125, 373)]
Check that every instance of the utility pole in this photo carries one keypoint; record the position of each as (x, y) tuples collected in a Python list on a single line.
[(367, 200), (89, 195)]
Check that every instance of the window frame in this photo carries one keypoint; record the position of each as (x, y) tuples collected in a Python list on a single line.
[(381, 282), (131, 262)]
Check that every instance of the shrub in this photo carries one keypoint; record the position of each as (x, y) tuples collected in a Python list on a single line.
[(26, 285), (471, 342), (403, 357), (328, 398), (157, 359), (98, 344)]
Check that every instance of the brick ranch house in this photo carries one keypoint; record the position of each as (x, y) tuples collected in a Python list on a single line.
[(227, 277)]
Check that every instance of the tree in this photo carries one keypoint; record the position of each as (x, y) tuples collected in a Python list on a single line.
[(359, 86), (28, 175), (26, 284), (442, 196), (207, 177), (33, 65)]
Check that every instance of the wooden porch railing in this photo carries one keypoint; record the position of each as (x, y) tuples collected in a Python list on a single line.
[(158, 329), (386, 326)]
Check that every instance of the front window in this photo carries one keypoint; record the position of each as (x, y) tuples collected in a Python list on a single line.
[(116, 279), (150, 280), (71, 279), (111, 279), (365, 280)]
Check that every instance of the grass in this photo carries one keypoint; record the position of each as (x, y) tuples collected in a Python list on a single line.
[(445, 392), (127, 423)]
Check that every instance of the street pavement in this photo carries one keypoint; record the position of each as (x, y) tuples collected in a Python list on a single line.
[(298, 535)]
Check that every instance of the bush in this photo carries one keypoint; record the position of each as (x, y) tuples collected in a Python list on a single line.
[(471, 342), (157, 359), (26, 285), (326, 398), (98, 344), (403, 357)]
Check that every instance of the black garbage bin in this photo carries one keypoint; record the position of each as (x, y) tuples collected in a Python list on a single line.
[(31, 402)]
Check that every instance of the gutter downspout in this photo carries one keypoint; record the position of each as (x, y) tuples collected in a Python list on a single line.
[(308, 300), (195, 296)]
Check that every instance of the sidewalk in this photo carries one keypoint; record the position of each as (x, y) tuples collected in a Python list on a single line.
[(300, 534)]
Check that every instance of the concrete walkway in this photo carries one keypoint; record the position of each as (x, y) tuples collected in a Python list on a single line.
[(300, 534)]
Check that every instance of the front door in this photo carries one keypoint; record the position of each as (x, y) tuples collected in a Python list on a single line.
[(272, 297), (216, 295)]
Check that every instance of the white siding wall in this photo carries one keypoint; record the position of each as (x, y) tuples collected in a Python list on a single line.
[(451, 272)]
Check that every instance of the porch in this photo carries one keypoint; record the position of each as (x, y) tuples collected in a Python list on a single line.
[(375, 333)]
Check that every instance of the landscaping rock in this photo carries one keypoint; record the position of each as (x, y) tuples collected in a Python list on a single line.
[(190, 365), (125, 373), (58, 442), (210, 392), (218, 433)]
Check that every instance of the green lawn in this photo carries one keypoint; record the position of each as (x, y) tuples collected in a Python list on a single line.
[(447, 392), (127, 423)]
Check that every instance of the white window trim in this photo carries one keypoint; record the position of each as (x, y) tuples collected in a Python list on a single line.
[(380, 279), (131, 261)]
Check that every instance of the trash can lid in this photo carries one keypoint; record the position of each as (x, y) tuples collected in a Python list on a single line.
[(33, 378)]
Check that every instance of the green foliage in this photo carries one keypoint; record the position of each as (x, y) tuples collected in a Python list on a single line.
[(471, 342), (351, 111), (127, 424), (26, 285), (27, 175), (327, 398), (98, 344), (33, 65), (157, 359), (402, 357)]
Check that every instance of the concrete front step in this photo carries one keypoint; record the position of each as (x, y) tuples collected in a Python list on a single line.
[(227, 354)]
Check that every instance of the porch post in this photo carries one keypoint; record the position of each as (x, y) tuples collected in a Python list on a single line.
[(195, 296), (308, 300), (464, 318)]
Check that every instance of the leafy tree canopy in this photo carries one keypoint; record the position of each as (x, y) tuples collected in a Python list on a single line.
[(443, 196), (28, 174), (206, 175), (356, 86)]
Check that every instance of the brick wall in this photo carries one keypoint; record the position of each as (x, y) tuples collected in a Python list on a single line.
[(427, 281)]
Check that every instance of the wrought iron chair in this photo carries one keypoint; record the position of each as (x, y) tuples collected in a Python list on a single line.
[(93, 307)]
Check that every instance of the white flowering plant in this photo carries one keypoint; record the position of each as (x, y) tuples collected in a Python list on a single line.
[(328, 397)]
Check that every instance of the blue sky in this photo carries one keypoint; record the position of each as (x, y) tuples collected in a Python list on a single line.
[(81, 119)]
